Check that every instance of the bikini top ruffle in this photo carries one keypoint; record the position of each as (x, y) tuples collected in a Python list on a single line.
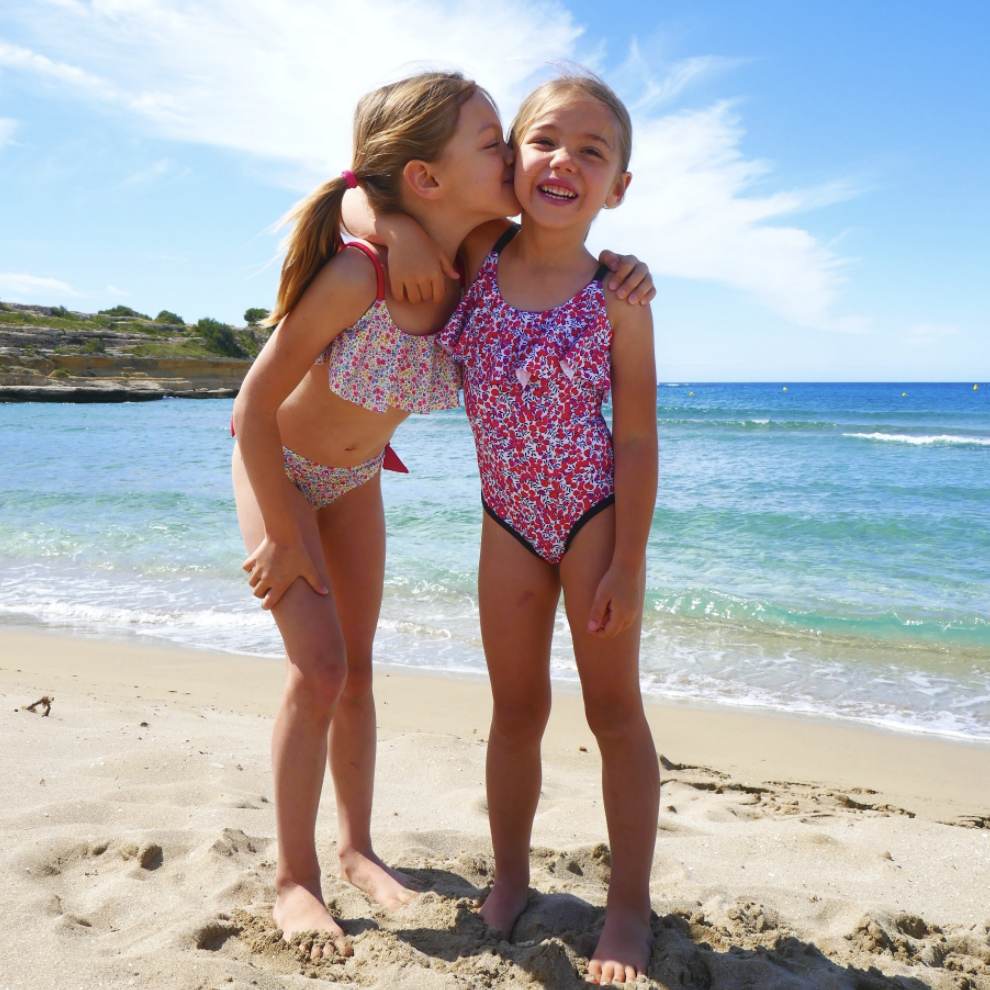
[(376, 365), (520, 349)]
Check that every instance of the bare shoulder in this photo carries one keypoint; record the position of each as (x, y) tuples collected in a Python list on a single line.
[(628, 321), (479, 243), (342, 290)]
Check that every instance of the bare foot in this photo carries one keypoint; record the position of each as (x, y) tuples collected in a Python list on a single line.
[(623, 951), (381, 883), (504, 904), (298, 909)]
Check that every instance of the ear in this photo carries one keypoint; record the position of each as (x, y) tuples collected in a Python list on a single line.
[(618, 191), (418, 178)]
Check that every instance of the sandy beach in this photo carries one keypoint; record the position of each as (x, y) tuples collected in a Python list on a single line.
[(138, 839)]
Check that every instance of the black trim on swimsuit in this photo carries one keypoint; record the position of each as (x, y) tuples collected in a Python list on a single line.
[(509, 529), (586, 517), (511, 232), (507, 236), (575, 529)]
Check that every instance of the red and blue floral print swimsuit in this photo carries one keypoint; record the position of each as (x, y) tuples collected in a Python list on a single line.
[(534, 384)]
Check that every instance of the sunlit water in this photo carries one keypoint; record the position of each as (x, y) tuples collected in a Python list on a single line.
[(822, 550)]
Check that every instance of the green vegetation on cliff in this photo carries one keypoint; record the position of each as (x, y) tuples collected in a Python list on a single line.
[(53, 345)]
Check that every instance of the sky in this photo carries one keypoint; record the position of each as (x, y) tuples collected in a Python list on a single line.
[(810, 181)]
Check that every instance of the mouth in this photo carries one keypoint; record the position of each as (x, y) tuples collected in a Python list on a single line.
[(557, 193)]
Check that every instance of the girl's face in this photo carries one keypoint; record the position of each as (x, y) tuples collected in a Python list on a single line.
[(475, 170), (567, 164)]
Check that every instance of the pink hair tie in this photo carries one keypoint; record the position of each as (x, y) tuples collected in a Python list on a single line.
[(350, 178)]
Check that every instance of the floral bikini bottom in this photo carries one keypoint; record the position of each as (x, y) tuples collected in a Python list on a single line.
[(322, 484)]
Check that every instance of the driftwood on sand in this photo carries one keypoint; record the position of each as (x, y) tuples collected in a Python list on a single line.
[(44, 702)]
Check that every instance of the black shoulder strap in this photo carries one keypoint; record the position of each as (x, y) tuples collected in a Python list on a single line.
[(505, 238), (603, 270)]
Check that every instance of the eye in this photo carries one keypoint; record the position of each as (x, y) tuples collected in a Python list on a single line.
[(593, 151)]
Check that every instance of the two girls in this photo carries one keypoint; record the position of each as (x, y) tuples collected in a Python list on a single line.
[(345, 365)]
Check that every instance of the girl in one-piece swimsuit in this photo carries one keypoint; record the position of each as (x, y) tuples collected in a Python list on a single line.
[(568, 503)]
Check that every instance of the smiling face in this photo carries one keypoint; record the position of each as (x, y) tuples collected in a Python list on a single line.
[(568, 163), (475, 170)]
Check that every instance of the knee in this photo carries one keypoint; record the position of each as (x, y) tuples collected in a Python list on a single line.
[(318, 684), (614, 717), (359, 684), (522, 720)]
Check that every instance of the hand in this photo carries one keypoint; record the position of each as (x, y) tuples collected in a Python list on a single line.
[(617, 602), (416, 266), (631, 277), (273, 567)]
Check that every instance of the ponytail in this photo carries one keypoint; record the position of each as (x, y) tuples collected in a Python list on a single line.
[(402, 122), (314, 239)]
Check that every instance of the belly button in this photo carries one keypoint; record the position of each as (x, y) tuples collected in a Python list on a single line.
[(352, 446)]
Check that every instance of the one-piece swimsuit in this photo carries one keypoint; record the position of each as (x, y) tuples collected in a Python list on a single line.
[(534, 385)]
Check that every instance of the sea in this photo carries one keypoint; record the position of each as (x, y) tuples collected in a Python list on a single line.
[(817, 549)]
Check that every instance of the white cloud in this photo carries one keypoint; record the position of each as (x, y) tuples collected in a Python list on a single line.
[(274, 78), (114, 291), (145, 176), (928, 332), (18, 287), (278, 79), (691, 213), (7, 127)]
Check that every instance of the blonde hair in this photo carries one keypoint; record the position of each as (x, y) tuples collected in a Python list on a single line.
[(574, 81), (412, 119)]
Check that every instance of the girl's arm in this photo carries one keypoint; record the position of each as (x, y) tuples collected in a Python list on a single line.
[(416, 266), (619, 598), (338, 296)]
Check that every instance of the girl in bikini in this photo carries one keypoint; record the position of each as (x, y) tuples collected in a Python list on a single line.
[(567, 502), (347, 363)]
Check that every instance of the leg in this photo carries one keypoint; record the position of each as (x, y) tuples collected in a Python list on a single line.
[(609, 670), (517, 595), (315, 674), (353, 533)]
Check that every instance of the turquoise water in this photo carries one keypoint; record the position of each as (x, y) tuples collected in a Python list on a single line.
[(824, 549)]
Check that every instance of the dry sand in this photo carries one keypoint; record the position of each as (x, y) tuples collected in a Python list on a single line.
[(138, 840)]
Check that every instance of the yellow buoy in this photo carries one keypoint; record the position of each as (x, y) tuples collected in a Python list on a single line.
[(785, 388), (903, 393), (975, 387), (690, 393)]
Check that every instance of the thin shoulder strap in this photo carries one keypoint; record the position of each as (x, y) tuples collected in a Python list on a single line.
[(378, 265), (505, 238), (603, 270)]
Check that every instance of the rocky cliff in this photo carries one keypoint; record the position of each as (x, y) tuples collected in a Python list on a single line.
[(49, 354)]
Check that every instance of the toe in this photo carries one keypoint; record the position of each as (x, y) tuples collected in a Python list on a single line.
[(343, 945), (316, 952)]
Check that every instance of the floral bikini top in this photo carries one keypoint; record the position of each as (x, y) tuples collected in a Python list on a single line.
[(376, 365)]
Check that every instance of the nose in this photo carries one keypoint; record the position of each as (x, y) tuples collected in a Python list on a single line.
[(562, 160), (508, 155)]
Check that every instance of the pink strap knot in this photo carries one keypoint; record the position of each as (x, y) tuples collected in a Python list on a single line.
[(350, 178)]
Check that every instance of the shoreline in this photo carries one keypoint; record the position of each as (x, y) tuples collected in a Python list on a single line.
[(568, 685), (138, 840), (947, 777)]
